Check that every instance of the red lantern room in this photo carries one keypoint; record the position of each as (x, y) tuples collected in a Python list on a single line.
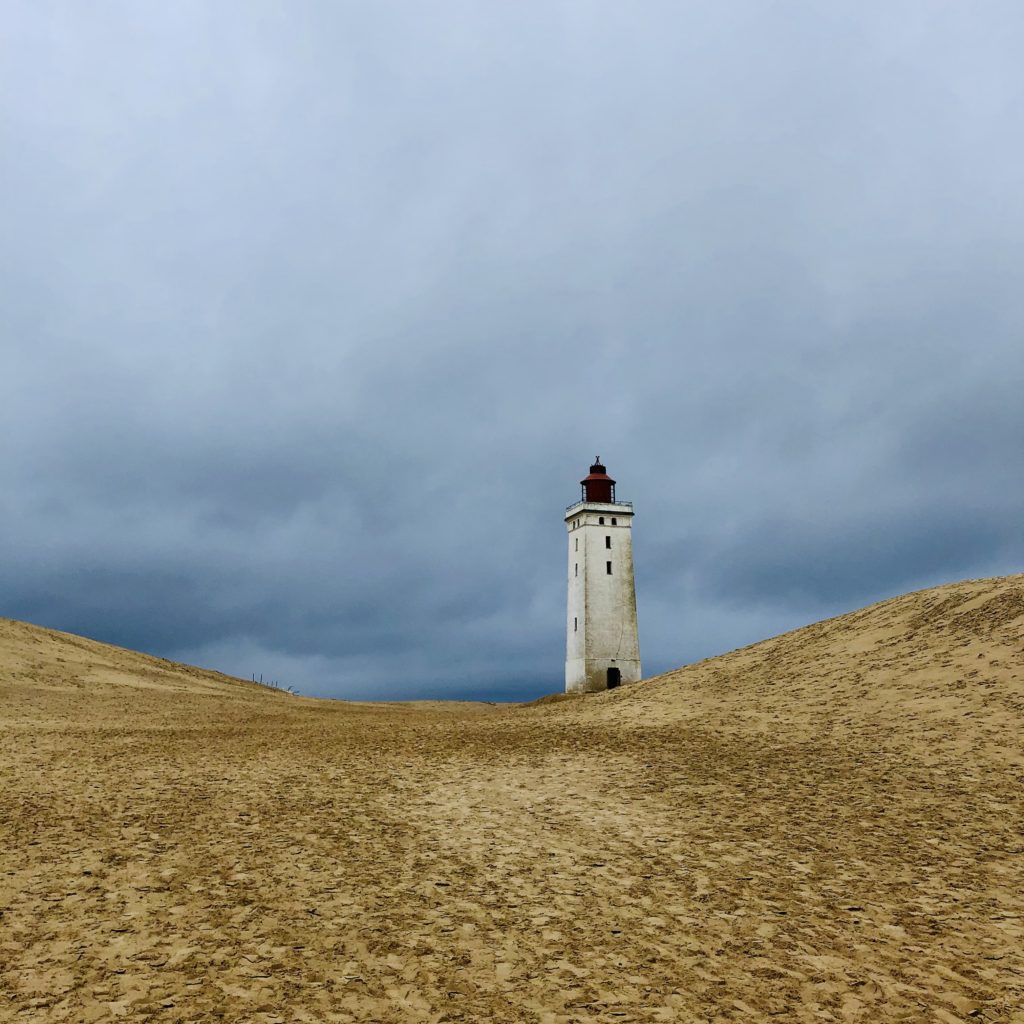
[(599, 486)]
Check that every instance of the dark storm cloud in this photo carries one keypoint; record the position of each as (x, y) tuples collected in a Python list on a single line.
[(314, 315)]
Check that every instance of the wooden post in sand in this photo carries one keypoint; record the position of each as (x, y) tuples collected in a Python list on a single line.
[(602, 648)]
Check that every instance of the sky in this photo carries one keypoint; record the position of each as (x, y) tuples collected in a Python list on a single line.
[(313, 315)]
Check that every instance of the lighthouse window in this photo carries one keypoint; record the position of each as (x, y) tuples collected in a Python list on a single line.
[(601, 520), (576, 569), (577, 544), (615, 521), (607, 542), (608, 567), (575, 624)]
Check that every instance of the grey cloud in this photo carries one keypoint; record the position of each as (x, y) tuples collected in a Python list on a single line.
[(313, 316)]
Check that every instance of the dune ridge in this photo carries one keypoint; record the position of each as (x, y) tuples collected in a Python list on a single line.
[(828, 825), (947, 661)]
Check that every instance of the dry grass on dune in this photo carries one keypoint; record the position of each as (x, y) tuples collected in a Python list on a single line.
[(825, 826)]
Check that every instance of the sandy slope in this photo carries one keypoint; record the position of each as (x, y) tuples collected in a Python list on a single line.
[(826, 826)]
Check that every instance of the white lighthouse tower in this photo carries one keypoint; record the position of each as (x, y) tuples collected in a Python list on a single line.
[(602, 648)]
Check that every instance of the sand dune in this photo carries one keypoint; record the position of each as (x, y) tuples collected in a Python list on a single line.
[(824, 826)]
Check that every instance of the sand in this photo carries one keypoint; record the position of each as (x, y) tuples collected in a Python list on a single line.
[(826, 826)]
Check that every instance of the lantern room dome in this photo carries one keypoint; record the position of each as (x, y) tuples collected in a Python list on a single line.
[(598, 486)]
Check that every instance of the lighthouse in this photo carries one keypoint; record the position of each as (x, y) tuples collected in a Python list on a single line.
[(602, 649)]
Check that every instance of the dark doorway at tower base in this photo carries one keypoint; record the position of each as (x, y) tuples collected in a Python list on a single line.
[(614, 678)]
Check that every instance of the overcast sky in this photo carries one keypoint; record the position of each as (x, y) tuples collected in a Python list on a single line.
[(315, 314)]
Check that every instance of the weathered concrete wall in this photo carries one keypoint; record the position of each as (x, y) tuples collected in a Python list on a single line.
[(601, 624)]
